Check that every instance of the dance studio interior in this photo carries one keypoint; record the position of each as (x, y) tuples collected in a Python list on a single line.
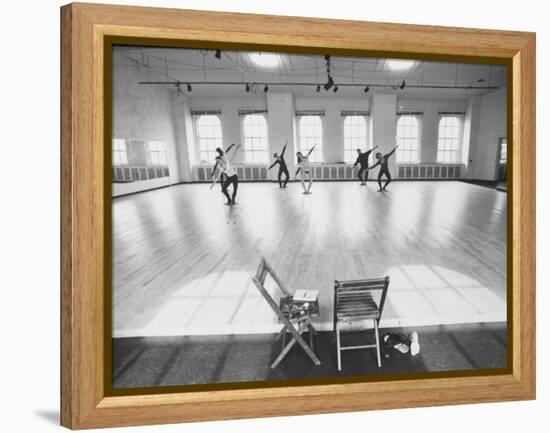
[(256, 235)]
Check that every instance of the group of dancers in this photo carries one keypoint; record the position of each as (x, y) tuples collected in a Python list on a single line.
[(224, 171)]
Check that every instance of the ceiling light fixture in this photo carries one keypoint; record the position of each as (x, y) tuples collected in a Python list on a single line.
[(265, 60), (218, 54), (247, 87), (366, 89), (266, 88), (189, 88), (400, 65)]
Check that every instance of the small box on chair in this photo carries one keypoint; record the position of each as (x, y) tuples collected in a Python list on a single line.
[(305, 296)]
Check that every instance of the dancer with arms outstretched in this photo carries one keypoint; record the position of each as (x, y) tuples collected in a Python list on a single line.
[(384, 171), (306, 169), (283, 169), (227, 173), (363, 161)]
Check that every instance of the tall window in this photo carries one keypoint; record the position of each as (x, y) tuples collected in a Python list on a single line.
[(120, 157), (448, 142), (408, 133), (209, 136), (311, 132), (255, 139), (157, 152), (355, 136)]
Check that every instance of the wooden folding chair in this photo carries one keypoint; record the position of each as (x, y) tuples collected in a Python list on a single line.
[(302, 324), (356, 301)]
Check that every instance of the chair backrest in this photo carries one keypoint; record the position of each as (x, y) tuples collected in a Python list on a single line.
[(372, 290), (259, 280)]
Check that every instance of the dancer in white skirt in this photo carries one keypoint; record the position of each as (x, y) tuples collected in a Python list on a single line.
[(306, 169)]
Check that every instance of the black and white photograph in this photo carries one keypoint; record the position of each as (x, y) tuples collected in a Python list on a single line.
[(285, 217)]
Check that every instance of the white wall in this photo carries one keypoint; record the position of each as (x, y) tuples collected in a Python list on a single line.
[(279, 131), (230, 119), (333, 132), (157, 112), (491, 127), (429, 122), (143, 112), (281, 127)]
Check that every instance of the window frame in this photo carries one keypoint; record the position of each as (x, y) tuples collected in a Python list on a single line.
[(150, 153), (353, 151), (319, 145), (123, 152), (243, 139), (458, 151), (418, 140), (198, 150)]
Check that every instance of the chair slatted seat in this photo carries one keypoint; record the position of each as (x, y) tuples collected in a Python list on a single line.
[(356, 301)]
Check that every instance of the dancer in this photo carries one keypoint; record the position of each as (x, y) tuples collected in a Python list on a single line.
[(220, 176), (363, 161), (280, 159), (383, 163), (225, 161), (305, 168)]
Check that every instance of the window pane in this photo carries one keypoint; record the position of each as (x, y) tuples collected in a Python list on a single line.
[(407, 139), (209, 136), (355, 136), (311, 133), (120, 156), (448, 144), (256, 150), (158, 154)]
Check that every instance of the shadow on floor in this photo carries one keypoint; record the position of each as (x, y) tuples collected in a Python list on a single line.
[(49, 415), (159, 361)]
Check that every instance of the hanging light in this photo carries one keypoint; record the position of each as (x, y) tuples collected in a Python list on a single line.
[(266, 88), (247, 87), (318, 89), (402, 85), (329, 83), (366, 89), (189, 88), (218, 54)]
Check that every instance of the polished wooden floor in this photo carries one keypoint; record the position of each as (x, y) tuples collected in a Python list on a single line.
[(183, 261)]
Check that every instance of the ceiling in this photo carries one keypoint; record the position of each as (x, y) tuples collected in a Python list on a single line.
[(424, 80)]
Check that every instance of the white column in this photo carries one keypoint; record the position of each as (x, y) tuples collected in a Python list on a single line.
[(383, 118), (280, 108)]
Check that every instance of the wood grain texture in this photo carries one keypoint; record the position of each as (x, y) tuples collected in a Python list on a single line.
[(84, 26), (182, 261)]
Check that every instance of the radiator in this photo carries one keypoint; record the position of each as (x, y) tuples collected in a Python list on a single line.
[(343, 172), (245, 173), (429, 171), (128, 173)]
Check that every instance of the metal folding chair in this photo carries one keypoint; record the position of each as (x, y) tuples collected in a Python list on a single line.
[(301, 325), (359, 301)]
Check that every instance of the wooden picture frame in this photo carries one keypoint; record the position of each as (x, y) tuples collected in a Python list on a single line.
[(86, 32)]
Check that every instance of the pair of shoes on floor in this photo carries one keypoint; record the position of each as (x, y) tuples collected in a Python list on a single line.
[(401, 343)]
